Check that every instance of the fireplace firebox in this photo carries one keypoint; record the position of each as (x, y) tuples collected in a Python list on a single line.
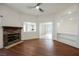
[(11, 35)]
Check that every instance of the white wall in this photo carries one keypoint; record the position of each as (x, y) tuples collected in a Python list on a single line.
[(68, 26), (13, 18), (28, 35), (10, 17), (1, 35), (68, 21), (78, 23)]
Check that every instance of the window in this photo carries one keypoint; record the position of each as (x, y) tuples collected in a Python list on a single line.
[(29, 27)]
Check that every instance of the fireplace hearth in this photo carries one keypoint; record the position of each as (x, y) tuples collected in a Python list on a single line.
[(11, 35)]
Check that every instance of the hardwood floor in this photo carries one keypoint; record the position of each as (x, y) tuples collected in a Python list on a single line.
[(40, 48)]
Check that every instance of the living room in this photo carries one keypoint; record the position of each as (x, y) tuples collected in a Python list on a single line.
[(44, 29)]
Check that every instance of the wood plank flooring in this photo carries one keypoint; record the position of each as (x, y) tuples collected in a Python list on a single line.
[(39, 47)]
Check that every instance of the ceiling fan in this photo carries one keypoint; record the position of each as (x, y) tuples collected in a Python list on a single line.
[(37, 6)]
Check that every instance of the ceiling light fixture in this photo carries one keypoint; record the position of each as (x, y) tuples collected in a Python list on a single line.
[(37, 7), (61, 20), (58, 24), (69, 12), (71, 19)]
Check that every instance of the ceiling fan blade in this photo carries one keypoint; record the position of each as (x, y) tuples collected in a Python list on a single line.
[(38, 4), (41, 10)]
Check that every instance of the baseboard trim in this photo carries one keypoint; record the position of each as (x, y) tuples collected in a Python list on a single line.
[(7, 47), (67, 44), (31, 39)]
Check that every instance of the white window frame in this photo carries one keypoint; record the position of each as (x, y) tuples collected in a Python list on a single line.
[(29, 27)]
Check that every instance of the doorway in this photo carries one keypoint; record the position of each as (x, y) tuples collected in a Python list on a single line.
[(45, 30)]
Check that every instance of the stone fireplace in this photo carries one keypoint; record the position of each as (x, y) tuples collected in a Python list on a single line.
[(11, 35)]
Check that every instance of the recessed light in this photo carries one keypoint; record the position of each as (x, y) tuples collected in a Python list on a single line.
[(70, 19), (69, 12), (61, 20), (58, 24)]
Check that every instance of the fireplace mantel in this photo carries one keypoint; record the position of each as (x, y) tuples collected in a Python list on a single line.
[(11, 27)]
